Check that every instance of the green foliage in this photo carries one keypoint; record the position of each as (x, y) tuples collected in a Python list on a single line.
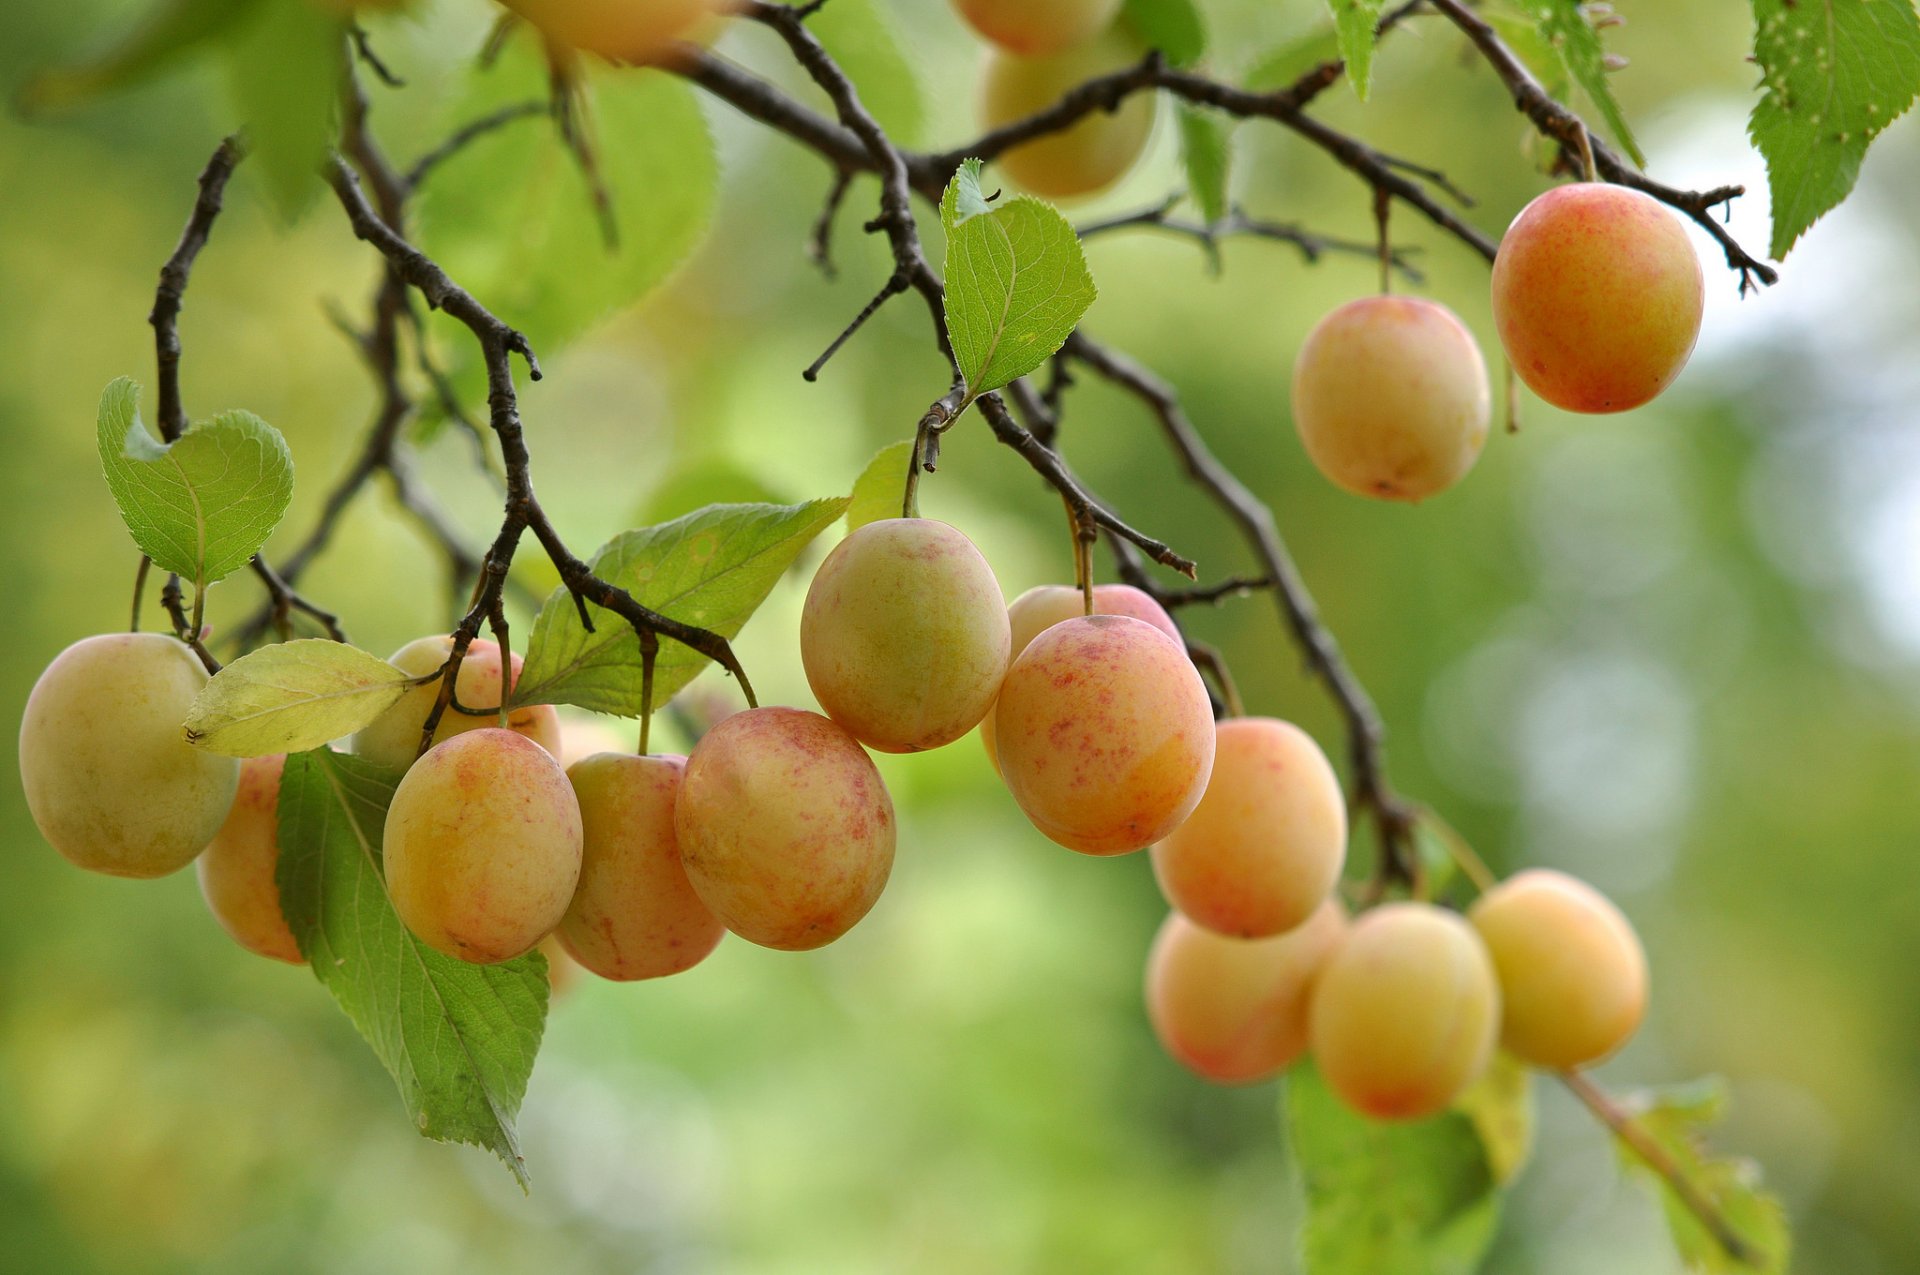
[(1388, 1199), (1353, 25), (1564, 25), (170, 30), (1206, 154), (1500, 1105), (200, 506), (1175, 27), (711, 480), (284, 69), (459, 1039), (711, 569), (1675, 1119), (1017, 282), (1833, 75), (1288, 61), (292, 696), (877, 491), (862, 37), (536, 246)]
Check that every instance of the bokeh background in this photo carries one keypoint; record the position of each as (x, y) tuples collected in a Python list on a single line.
[(1676, 652)]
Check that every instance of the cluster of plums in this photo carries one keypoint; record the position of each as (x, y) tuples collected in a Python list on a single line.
[(1597, 296), (778, 828)]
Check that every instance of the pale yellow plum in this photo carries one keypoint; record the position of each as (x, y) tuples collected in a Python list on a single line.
[(482, 846), (237, 869), (1390, 398), (631, 32), (563, 972), (1042, 607), (581, 737), (1235, 1010), (1597, 294), (634, 913), (109, 776), (904, 636), (1573, 977), (393, 738), (1264, 847), (1094, 152), (1035, 28), (1406, 1012), (1105, 734), (784, 827)]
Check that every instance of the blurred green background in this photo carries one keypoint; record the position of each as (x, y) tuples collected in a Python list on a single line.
[(1676, 652)]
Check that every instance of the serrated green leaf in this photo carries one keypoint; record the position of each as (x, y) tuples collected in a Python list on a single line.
[(1174, 27), (168, 31), (1676, 1119), (1017, 283), (203, 505), (1388, 1198), (1500, 1105), (863, 39), (1565, 26), (284, 69), (1205, 154), (1287, 62), (877, 491), (292, 696), (535, 246), (712, 569), (458, 1039), (1519, 31), (1353, 24), (1832, 76)]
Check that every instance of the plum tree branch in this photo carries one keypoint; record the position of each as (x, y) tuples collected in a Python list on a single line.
[(1238, 224)]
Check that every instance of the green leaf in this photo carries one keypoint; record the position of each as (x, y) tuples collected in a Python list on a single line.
[(862, 37), (712, 480), (877, 492), (1500, 1105), (1833, 75), (292, 696), (1565, 26), (203, 505), (534, 246), (1675, 1119), (1017, 283), (1388, 1198), (459, 1039), (711, 569), (1519, 30), (169, 31), (1353, 24), (1281, 66), (1174, 27), (284, 69), (1205, 154)]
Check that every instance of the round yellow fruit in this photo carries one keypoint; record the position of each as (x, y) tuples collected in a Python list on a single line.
[(1094, 152), (393, 738), (1035, 28), (237, 868)]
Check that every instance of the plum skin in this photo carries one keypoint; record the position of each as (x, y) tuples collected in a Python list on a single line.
[(1091, 154), (237, 869), (393, 739), (1036, 28), (108, 774)]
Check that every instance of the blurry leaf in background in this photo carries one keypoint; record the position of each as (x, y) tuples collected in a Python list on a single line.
[(710, 569), (863, 39), (1353, 24), (292, 696), (534, 246), (1500, 1104), (1833, 75), (877, 491), (1525, 36), (1564, 25), (709, 480), (1206, 154), (1416, 1198), (285, 68), (1677, 1120), (459, 1039), (1174, 27), (201, 506), (1017, 282), (169, 30), (1287, 62)]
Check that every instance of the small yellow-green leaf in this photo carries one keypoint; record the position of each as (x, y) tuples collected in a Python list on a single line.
[(1676, 1119), (292, 696), (1500, 1104), (877, 492)]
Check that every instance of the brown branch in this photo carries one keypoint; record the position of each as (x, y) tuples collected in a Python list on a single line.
[(1237, 224), (1559, 124), (171, 294)]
